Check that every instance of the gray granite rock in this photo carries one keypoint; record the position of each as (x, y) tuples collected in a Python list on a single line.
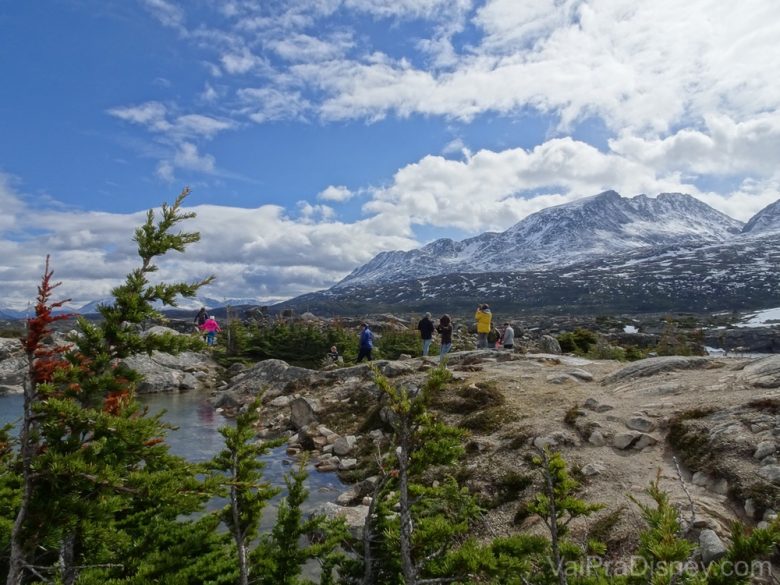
[(764, 449), (303, 412), (711, 547), (763, 373), (548, 344), (653, 366)]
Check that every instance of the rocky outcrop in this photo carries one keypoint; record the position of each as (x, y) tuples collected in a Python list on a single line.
[(163, 372), (744, 339), (657, 365), (13, 366), (735, 444), (763, 373), (548, 344)]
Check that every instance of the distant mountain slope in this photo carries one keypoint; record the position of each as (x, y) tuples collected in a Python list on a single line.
[(740, 274), (182, 304), (557, 236), (766, 220)]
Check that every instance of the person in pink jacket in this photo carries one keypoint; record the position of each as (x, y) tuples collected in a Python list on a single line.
[(210, 327)]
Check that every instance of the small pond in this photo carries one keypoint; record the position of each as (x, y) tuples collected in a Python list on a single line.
[(197, 438)]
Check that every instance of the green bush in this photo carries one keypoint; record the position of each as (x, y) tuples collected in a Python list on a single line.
[(579, 341), (300, 344), (391, 344)]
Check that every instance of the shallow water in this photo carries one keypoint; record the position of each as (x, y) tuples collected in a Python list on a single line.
[(197, 438)]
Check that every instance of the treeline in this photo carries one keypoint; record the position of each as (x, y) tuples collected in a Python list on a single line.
[(306, 344), (90, 494)]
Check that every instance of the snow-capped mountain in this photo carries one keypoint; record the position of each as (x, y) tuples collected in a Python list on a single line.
[(766, 220), (558, 236), (186, 304), (11, 314), (739, 274)]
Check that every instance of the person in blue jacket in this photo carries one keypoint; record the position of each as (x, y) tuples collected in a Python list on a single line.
[(366, 343)]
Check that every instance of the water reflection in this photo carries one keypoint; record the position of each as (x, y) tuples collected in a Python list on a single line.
[(195, 436)]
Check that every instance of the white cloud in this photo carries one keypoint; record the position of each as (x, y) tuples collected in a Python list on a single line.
[(10, 203), (723, 147), (188, 157), (267, 104), (240, 62), (166, 171), (337, 193), (150, 114), (198, 124), (647, 66), (209, 93), (166, 12), (303, 47)]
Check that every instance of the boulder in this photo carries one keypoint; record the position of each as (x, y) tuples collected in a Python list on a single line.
[(625, 440), (592, 469), (271, 378), (763, 373), (159, 330), (645, 440), (394, 369), (548, 344), (10, 347), (13, 371), (281, 401), (561, 379), (226, 400), (344, 445), (711, 547), (303, 412), (347, 464), (764, 449), (597, 439), (770, 473), (163, 372), (656, 365), (581, 374), (640, 423), (354, 516)]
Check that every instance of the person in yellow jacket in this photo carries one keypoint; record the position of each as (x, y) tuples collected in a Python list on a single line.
[(483, 317)]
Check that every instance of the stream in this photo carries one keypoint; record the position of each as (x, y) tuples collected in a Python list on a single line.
[(197, 439)]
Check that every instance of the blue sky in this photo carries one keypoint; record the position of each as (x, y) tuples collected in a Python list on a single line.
[(316, 133)]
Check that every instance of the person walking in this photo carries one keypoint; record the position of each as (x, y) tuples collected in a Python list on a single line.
[(366, 343), (200, 319), (445, 330), (201, 316), (483, 316), (508, 337), (426, 328), (210, 328)]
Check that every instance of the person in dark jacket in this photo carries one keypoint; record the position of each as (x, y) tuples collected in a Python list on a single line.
[(426, 328), (366, 343), (445, 330), (200, 319)]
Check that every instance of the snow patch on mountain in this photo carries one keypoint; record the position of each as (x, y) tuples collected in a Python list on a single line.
[(588, 228), (766, 220)]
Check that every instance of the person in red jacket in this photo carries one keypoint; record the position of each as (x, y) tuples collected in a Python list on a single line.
[(210, 327)]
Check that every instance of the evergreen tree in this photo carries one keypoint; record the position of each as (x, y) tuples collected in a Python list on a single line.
[(417, 526), (91, 461), (247, 493), (279, 557)]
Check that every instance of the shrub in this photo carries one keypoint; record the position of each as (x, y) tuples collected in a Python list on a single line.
[(579, 341)]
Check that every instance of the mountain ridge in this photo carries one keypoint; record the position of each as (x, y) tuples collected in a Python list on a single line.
[(564, 234)]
